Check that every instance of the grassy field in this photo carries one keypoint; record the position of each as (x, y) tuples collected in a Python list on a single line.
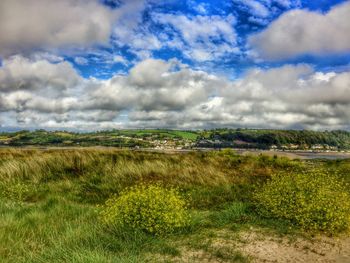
[(50, 202), (189, 135)]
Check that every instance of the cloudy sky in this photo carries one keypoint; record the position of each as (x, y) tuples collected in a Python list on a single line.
[(102, 64)]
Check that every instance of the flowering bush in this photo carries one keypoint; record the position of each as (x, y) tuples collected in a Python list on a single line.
[(152, 208), (314, 201)]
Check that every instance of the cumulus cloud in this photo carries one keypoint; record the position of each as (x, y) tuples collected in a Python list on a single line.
[(154, 85), (158, 93), (299, 32), (27, 25), (19, 73), (35, 89), (290, 96)]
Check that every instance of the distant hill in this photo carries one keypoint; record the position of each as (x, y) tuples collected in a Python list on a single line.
[(117, 138), (166, 138)]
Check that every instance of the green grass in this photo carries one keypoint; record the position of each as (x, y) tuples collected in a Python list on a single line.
[(189, 135), (60, 231), (50, 200)]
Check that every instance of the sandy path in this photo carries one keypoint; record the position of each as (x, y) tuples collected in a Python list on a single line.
[(258, 246)]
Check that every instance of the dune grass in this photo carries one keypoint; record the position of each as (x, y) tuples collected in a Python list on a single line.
[(49, 201)]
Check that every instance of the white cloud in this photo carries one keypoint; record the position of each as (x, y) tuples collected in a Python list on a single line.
[(81, 61), (38, 86), (51, 57), (201, 8), (27, 25), (299, 32), (201, 38), (154, 85), (120, 59), (290, 96), (19, 73), (288, 3), (134, 33), (41, 92), (255, 7)]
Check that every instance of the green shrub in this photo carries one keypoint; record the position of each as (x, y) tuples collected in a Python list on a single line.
[(314, 201), (151, 208), (236, 212)]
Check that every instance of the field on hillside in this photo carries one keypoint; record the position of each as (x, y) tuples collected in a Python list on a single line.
[(51, 202)]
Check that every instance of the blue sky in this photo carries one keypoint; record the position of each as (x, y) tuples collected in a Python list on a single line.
[(249, 17), (101, 64)]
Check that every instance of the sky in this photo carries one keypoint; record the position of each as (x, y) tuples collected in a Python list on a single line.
[(183, 64)]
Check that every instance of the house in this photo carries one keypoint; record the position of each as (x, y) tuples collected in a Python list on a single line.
[(273, 147), (293, 146), (317, 147)]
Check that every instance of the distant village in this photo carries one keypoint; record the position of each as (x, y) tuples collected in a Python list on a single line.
[(217, 143), (178, 144)]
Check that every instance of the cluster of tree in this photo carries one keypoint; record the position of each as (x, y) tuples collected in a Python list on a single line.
[(266, 138)]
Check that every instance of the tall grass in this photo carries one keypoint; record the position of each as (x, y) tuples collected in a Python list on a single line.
[(48, 198), (126, 166), (92, 174)]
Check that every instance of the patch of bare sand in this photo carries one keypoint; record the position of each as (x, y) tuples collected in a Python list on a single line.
[(187, 256), (269, 248)]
